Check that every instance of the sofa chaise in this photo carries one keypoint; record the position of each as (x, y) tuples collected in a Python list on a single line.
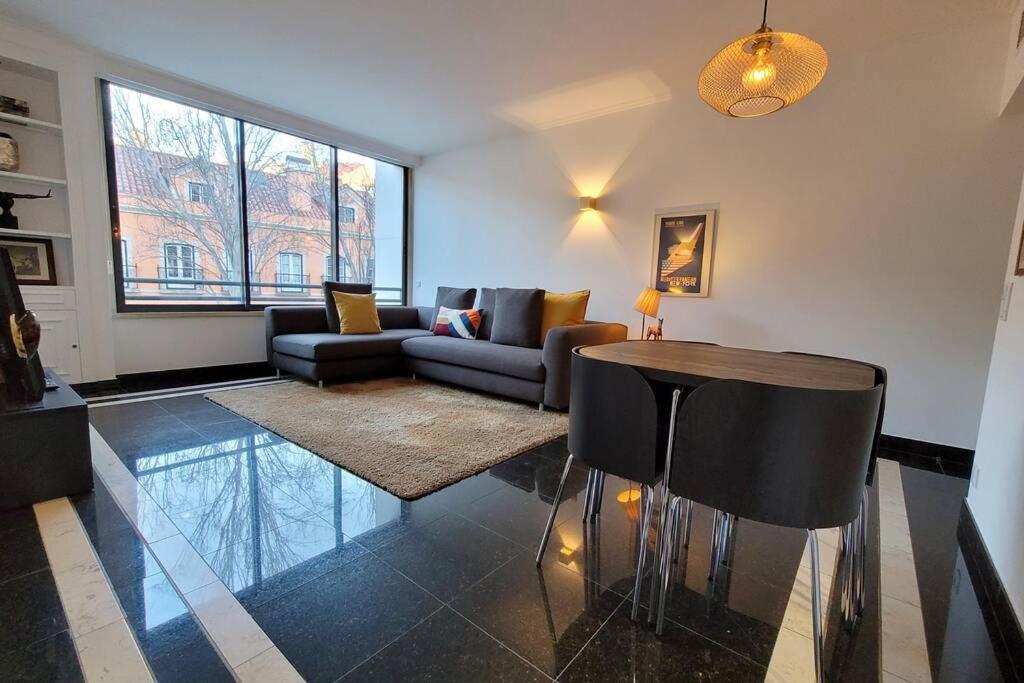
[(299, 342)]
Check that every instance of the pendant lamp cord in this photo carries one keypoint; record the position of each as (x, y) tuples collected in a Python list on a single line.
[(764, 16)]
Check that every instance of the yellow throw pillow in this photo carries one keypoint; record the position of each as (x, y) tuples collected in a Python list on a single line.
[(563, 309), (357, 313)]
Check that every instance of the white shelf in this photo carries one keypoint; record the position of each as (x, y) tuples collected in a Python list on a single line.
[(33, 233), (34, 124), (32, 179)]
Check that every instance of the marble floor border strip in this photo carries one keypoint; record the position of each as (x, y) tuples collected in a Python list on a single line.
[(904, 645), (99, 629), (184, 391), (243, 646)]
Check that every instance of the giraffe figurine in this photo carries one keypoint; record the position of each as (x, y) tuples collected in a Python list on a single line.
[(654, 332)]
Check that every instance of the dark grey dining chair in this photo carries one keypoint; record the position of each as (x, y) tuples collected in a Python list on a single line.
[(853, 542), (778, 455), (613, 429)]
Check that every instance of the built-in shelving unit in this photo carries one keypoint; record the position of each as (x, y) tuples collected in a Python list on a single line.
[(41, 140)]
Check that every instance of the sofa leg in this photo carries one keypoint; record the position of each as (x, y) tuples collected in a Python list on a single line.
[(278, 372), (414, 377), (319, 384), (540, 406)]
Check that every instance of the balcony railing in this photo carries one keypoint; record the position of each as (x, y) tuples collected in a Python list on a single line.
[(179, 277), (218, 290), (291, 283), (128, 273)]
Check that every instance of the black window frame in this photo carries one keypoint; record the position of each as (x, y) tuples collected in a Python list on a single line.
[(245, 303)]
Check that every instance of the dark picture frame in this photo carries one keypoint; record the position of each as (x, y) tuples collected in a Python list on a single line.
[(683, 243), (32, 258)]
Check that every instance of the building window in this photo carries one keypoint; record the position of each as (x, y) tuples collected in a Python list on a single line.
[(176, 200), (198, 192), (289, 272), (179, 268)]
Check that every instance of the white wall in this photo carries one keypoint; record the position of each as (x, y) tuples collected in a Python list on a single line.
[(995, 495), (870, 220), (124, 343)]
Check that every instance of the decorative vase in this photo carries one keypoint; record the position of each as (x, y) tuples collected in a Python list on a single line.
[(9, 159)]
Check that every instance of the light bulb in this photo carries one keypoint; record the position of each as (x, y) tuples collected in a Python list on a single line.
[(761, 75)]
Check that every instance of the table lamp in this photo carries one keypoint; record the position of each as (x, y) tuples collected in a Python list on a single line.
[(647, 304)]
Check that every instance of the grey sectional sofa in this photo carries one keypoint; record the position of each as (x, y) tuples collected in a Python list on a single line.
[(298, 342)]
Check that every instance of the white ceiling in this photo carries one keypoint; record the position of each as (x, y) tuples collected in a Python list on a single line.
[(432, 75)]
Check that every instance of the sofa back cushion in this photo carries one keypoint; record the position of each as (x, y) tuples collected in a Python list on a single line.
[(488, 297), (398, 317), (357, 313), (452, 297), (563, 309), (333, 322), (517, 317)]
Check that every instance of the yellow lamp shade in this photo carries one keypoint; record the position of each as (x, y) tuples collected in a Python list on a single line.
[(648, 301), (762, 73)]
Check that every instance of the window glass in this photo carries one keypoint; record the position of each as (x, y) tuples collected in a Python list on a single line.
[(288, 184), (177, 199)]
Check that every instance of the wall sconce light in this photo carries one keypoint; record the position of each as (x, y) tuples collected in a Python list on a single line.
[(588, 203)]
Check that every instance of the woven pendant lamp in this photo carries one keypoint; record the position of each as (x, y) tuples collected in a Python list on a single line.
[(762, 73)]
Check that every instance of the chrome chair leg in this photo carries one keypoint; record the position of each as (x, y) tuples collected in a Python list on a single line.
[(598, 494), (846, 573), (554, 510), (677, 511), (860, 566), (670, 541), (663, 517), (647, 498), (588, 499), (716, 541), (819, 643), (689, 523)]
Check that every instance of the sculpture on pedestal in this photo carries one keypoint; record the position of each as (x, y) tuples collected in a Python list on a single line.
[(21, 371)]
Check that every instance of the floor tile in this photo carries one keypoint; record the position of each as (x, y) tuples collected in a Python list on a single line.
[(334, 622), (445, 647), (124, 556), (111, 654), (266, 567), (238, 637), (545, 616), (185, 567), (625, 651), (467, 490), (238, 515), (266, 667), (21, 552), (99, 513), (53, 660), (448, 555)]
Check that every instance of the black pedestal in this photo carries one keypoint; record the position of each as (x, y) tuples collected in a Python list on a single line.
[(44, 449)]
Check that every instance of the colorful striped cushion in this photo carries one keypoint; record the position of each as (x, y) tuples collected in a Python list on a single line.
[(452, 322)]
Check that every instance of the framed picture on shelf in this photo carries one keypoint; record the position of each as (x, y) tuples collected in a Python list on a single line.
[(683, 240), (32, 258)]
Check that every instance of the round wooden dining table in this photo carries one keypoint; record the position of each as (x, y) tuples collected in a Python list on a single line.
[(694, 363)]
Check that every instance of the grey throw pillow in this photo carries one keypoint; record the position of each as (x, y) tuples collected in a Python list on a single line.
[(486, 307), (333, 322), (452, 297), (517, 317)]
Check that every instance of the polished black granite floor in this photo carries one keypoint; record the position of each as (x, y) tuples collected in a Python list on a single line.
[(352, 583)]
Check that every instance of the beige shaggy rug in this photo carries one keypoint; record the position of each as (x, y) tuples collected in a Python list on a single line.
[(408, 437)]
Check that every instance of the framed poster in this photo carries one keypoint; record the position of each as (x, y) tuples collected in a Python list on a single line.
[(1019, 270), (683, 241), (32, 259)]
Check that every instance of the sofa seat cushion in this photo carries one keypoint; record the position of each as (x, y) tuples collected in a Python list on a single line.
[(514, 361), (326, 346)]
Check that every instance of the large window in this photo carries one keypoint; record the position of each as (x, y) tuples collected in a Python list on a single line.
[(222, 213)]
